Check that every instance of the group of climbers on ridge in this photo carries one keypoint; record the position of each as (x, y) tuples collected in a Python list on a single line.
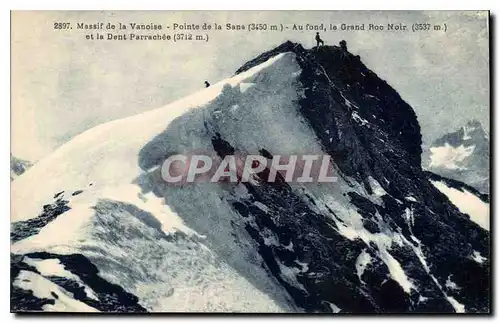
[(342, 43)]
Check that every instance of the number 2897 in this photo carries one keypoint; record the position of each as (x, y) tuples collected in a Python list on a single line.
[(62, 25)]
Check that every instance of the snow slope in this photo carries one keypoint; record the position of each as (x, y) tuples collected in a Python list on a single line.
[(107, 154), (450, 157), (468, 203)]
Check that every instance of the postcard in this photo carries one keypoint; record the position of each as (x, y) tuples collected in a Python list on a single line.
[(250, 162)]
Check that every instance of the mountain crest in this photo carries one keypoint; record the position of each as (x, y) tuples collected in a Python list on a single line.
[(362, 122)]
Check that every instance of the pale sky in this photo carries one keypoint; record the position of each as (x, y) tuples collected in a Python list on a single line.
[(63, 84)]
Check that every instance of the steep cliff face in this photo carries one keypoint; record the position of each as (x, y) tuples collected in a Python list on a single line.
[(385, 237), (371, 133), (351, 110)]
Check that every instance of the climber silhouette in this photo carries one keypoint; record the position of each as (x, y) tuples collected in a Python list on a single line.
[(343, 45), (207, 84), (319, 40)]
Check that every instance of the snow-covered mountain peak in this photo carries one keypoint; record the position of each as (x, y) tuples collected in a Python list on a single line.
[(97, 226)]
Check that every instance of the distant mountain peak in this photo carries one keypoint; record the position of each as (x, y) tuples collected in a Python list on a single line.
[(462, 155)]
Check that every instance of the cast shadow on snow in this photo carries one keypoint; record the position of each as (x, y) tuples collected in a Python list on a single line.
[(200, 206)]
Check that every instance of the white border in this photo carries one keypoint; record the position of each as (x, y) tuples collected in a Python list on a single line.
[(252, 5)]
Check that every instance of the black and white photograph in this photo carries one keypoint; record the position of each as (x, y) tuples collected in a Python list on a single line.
[(251, 162)]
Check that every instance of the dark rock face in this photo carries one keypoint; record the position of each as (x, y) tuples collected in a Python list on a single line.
[(110, 297), (472, 130), (23, 300), (23, 229), (459, 186), (370, 132), (337, 84), (18, 166)]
